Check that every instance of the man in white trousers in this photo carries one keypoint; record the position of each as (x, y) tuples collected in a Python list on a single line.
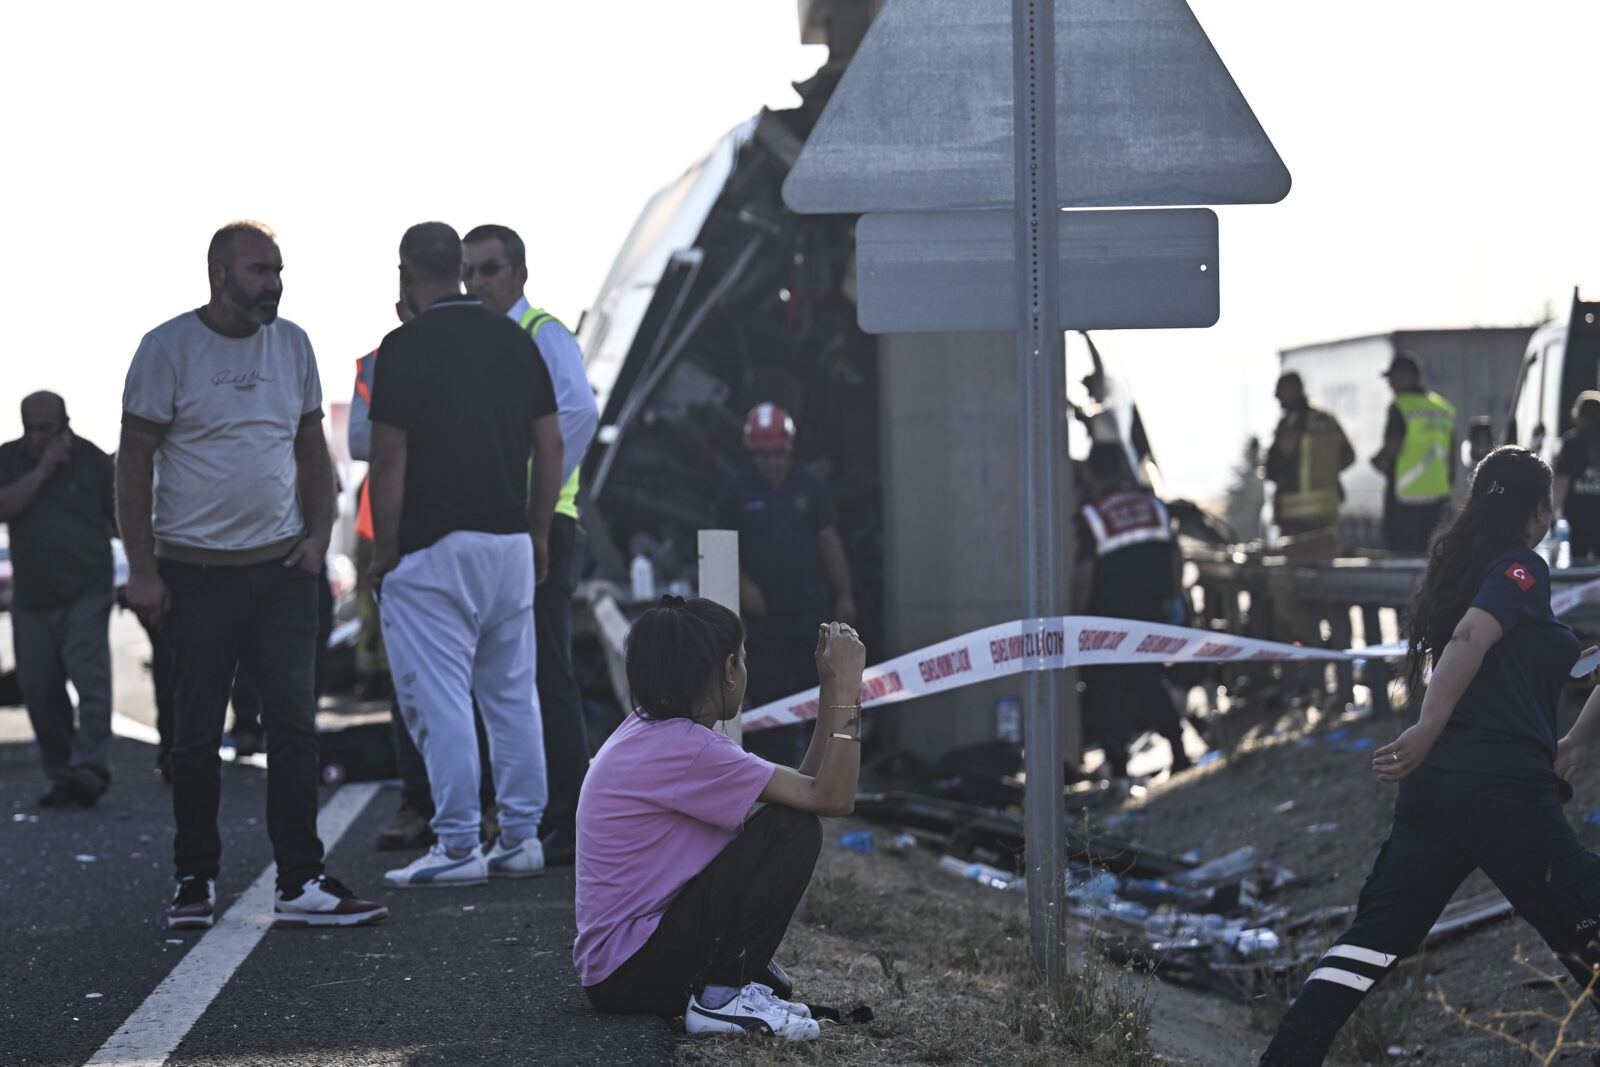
[(460, 397)]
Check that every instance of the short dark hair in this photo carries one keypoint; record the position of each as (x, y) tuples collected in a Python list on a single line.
[(1107, 460), (673, 653), (223, 240), (431, 251), (1291, 377), (516, 251)]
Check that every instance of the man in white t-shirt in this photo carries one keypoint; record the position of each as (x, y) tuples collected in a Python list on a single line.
[(225, 498)]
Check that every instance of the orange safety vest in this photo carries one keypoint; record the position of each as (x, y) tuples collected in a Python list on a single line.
[(364, 508)]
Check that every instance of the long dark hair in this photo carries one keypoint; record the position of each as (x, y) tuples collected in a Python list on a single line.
[(1508, 484), (674, 652)]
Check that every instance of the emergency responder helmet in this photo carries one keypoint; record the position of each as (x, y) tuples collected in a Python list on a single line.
[(768, 426)]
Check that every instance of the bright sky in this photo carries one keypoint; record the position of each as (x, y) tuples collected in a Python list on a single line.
[(1443, 156)]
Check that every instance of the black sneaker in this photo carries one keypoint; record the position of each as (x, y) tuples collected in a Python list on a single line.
[(194, 904), (60, 795), (324, 901)]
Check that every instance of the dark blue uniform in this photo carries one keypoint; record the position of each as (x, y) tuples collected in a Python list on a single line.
[(1487, 796), (779, 552)]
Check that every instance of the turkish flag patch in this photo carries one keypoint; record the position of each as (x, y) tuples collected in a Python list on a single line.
[(1519, 574)]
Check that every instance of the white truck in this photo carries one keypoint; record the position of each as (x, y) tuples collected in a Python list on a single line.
[(1510, 385)]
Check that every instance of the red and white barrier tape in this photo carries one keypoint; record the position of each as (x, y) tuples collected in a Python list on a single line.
[(1070, 641)]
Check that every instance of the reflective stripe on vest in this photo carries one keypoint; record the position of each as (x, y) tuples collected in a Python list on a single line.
[(1316, 500), (1422, 470), (1125, 517), (533, 320)]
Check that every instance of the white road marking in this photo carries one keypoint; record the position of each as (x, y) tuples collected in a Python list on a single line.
[(133, 729), (167, 1015)]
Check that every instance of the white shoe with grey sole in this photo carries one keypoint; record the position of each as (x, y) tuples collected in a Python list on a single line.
[(437, 868), (523, 861)]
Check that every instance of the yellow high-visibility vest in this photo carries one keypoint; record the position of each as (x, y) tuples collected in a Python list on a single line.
[(533, 320), (1422, 471)]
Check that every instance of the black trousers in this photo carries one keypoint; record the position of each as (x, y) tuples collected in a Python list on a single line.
[(723, 928), (1114, 690), (265, 617), (1446, 823), (780, 654), (1408, 527), (566, 741)]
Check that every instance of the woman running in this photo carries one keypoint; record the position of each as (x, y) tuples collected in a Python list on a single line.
[(1482, 773)]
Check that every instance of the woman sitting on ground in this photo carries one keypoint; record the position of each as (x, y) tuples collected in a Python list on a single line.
[(681, 902)]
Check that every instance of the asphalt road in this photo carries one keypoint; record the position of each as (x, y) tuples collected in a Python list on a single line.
[(481, 975)]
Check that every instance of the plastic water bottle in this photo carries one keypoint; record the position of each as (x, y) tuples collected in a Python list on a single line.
[(642, 576), (1563, 543)]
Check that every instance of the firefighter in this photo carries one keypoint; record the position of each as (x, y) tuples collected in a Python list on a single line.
[(1308, 451)]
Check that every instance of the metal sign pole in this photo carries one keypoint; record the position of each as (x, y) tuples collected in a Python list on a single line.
[(1041, 381)]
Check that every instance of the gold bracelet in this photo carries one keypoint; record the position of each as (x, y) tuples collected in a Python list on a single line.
[(844, 737)]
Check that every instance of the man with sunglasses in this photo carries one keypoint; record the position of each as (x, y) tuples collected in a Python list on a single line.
[(56, 496), (495, 270)]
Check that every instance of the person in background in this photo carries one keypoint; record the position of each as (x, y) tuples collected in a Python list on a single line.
[(1577, 471), (460, 400), (57, 495), (1128, 567), (1308, 451), (409, 829), (1483, 771), (792, 569), (1415, 458), (681, 900), (225, 501), (495, 270)]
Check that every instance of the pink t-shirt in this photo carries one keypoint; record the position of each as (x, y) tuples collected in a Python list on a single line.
[(660, 801)]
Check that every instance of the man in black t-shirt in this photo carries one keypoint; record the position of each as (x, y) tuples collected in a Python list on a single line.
[(1577, 484), (56, 496), (460, 396), (1127, 567)]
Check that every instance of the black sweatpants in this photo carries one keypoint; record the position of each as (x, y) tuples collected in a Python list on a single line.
[(723, 928), (1446, 823)]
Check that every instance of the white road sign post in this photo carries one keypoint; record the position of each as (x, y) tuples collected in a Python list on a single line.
[(960, 130)]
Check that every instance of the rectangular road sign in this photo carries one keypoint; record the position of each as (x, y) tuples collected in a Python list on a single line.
[(956, 271)]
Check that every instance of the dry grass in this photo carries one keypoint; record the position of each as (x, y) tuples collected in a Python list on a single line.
[(943, 963)]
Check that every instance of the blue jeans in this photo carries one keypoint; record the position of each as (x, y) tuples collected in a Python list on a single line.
[(263, 616)]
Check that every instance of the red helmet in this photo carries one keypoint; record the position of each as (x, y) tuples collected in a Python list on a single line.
[(768, 426)]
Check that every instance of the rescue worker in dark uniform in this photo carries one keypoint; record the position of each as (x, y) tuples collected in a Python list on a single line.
[(1415, 458), (1128, 567), (793, 575), (1577, 466), (1482, 774)]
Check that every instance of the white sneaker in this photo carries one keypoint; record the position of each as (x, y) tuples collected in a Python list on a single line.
[(793, 1007), (754, 1009), (435, 867), (325, 901), (524, 861)]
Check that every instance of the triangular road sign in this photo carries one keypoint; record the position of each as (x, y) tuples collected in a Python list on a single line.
[(1147, 114)]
